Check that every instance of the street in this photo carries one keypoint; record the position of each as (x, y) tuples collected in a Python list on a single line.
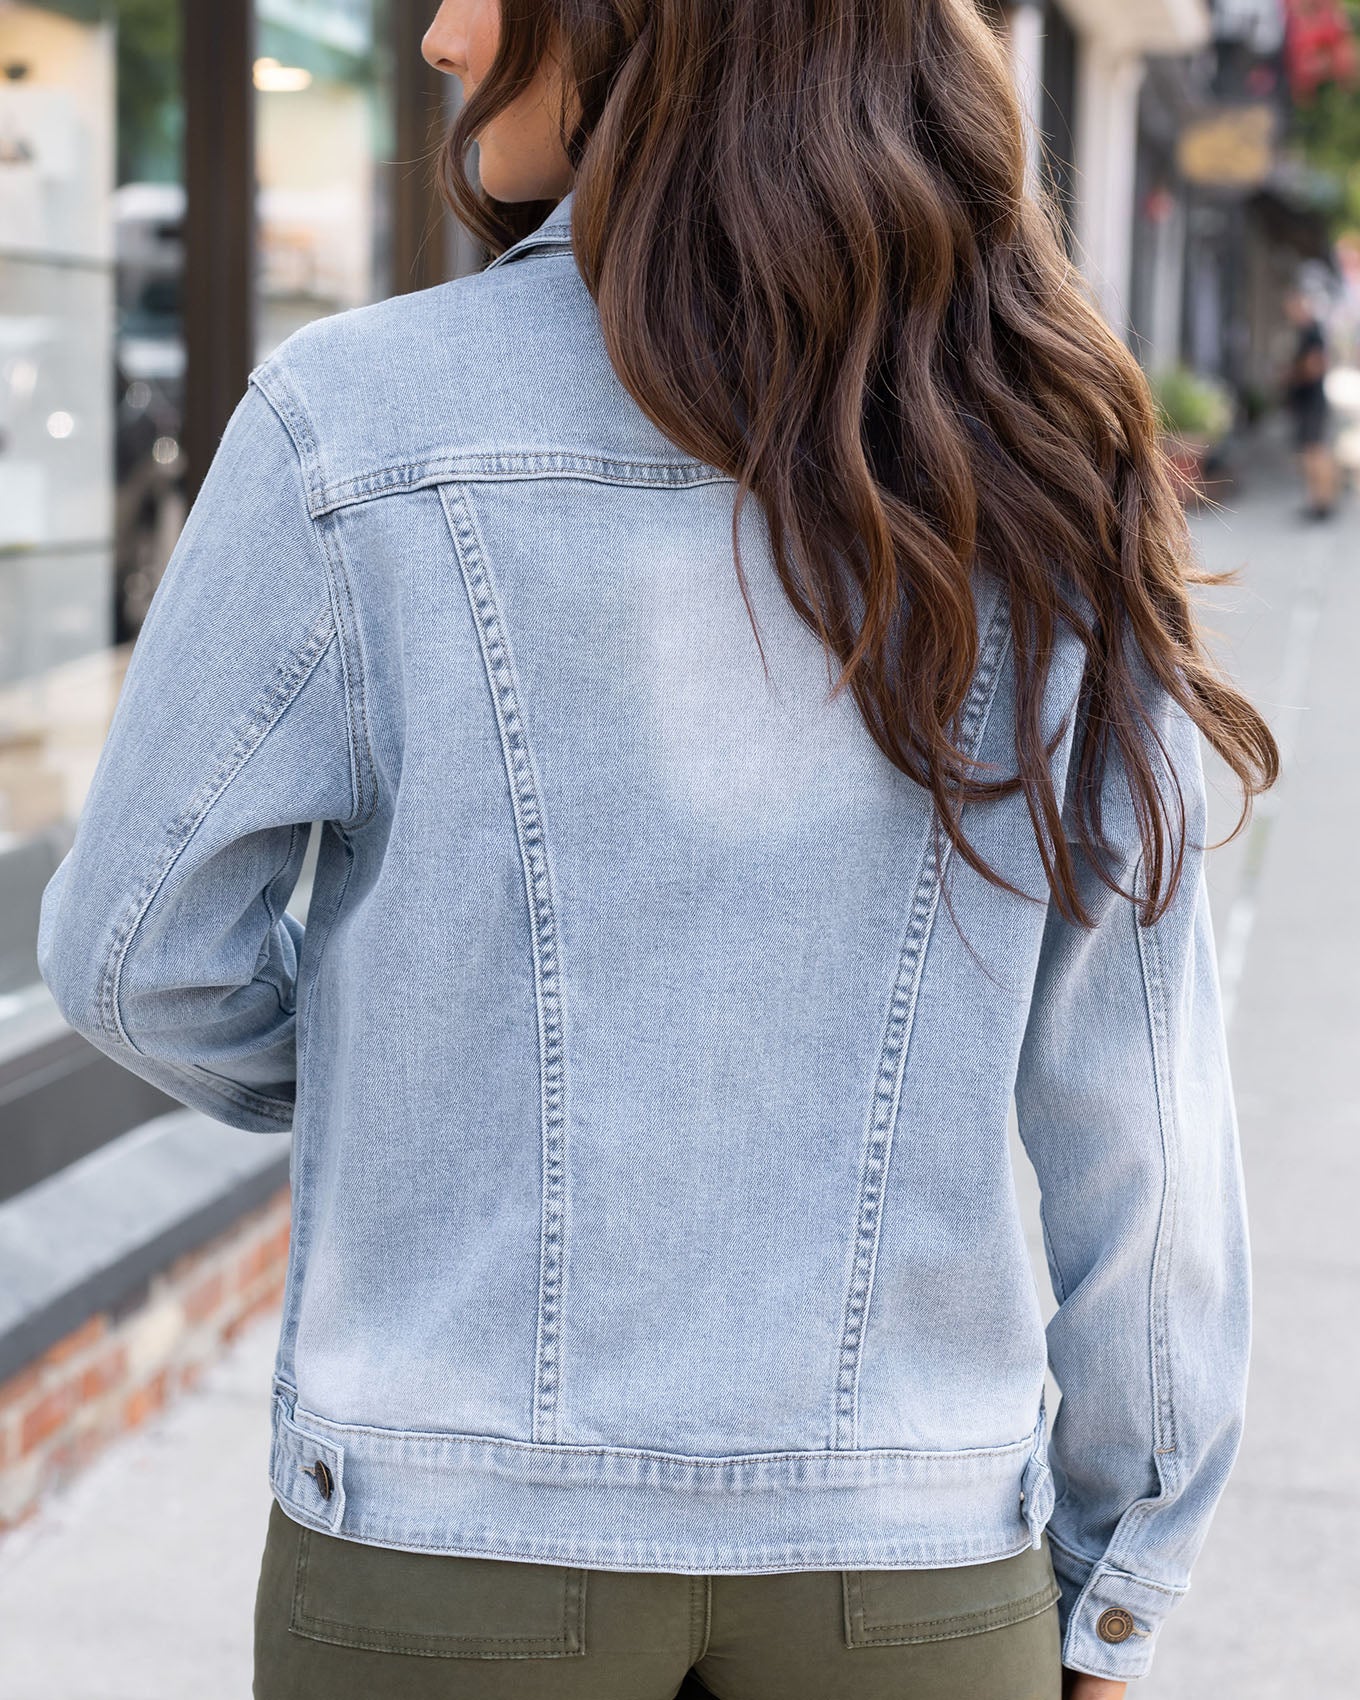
[(137, 1582)]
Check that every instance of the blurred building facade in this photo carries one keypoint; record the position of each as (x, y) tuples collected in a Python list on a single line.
[(1160, 126)]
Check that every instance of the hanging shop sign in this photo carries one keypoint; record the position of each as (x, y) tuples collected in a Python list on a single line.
[(1231, 148)]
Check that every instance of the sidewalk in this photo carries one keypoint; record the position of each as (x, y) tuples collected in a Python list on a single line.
[(138, 1583), (1275, 1600)]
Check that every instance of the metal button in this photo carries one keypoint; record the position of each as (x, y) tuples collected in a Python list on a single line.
[(1114, 1625), (325, 1482)]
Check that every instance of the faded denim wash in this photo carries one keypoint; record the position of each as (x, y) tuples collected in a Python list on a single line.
[(652, 1204)]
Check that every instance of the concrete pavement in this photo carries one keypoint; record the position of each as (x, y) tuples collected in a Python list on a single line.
[(1274, 1607), (138, 1583)]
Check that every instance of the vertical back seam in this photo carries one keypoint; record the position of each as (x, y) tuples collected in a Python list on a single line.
[(896, 1042), (529, 831)]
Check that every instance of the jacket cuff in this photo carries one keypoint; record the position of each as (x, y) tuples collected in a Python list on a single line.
[(1110, 1618)]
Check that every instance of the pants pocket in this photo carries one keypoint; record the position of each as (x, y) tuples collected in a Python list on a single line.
[(433, 1604), (894, 1608)]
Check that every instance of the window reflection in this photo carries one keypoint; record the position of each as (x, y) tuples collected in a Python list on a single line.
[(323, 122), (91, 399), (56, 337), (92, 348)]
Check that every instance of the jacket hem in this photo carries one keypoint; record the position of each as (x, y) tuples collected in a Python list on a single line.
[(614, 1508)]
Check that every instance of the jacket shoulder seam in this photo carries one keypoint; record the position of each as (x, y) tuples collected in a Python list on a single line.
[(273, 383)]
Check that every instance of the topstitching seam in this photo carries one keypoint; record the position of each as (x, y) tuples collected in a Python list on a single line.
[(290, 679), (1149, 958), (529, 828), (896, 1043)]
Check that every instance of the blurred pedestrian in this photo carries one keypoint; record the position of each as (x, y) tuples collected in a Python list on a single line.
[(741, 645), (1305, 393)]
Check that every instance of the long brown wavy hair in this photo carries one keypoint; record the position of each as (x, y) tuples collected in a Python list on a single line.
[(806, 227)]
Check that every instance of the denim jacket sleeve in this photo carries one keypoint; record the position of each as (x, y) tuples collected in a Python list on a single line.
[(163, 933), (1125, 1107)]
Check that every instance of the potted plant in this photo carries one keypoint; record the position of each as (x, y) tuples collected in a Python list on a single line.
[(1196, 414)]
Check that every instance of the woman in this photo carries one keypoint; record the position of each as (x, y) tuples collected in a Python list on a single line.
[(1305, 395), (700, 881)]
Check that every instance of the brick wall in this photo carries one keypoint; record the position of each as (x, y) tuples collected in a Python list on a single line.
[(115, 1370)]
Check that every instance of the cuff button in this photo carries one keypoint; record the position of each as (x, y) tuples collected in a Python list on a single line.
[(1114, 1625), (319, 1470)]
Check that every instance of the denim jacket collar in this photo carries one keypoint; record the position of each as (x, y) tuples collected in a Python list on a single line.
[(554, 232)]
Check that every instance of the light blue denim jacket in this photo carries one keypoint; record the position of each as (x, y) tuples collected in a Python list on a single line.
[(652, 1204)]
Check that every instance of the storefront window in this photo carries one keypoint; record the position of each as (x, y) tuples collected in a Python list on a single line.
[(56, 337), (324, 127), (148, 218), (91, 375), (93, 368)]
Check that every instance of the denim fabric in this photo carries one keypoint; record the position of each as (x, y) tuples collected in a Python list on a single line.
[(652, 1205)]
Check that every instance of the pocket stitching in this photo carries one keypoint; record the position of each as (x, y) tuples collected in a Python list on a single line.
[(975, 1629), (1047, 1594), (980, 1622), (568, 1642), (428, 1652)]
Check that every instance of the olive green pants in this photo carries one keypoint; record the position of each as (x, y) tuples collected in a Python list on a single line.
[(339, 1620)]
